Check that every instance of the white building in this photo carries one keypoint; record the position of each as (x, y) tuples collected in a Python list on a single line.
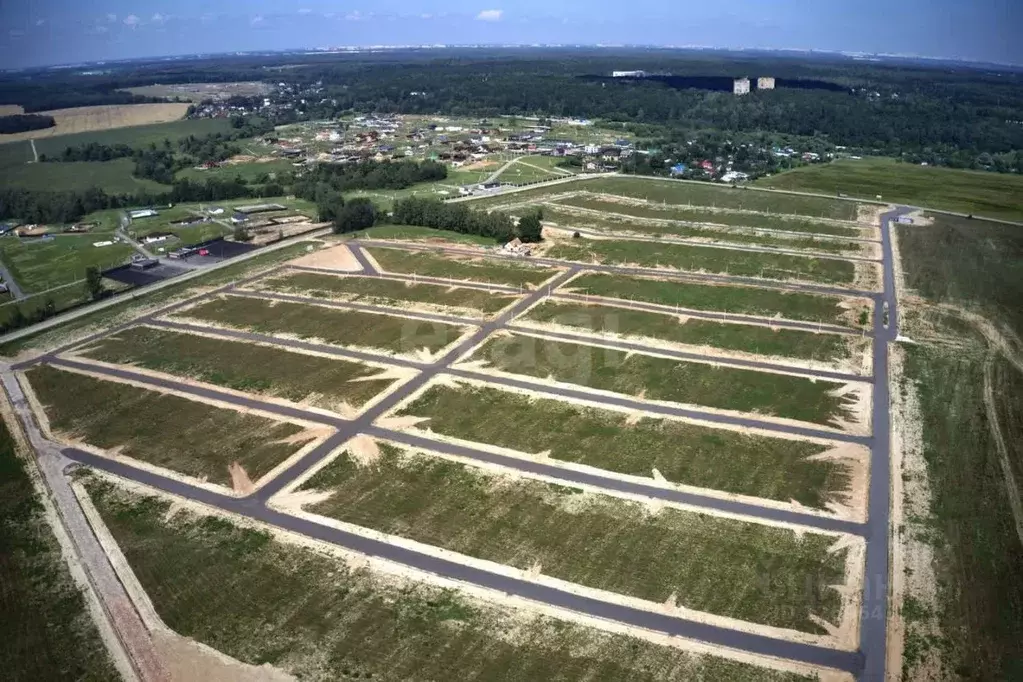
[(628, 74), (765, 83), (142, 213), (740, 86)]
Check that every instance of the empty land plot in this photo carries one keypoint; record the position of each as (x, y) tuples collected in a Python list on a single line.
[(610, 204), (707, 259), (47, 632), (137, 136), (568, 220), (322, 619), (38, 265), (340, 327), (111, 176), (243, 366), (689, 454), (705, 194), (716, 297), (464, 268), (654, 378), (102, 117), (711, 564), (727, 336), (186, 436), (388, 291)]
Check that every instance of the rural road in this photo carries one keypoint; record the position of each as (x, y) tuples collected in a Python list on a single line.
[(868, 662), (12, 284)]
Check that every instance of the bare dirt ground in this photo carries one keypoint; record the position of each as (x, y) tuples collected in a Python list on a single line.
[(335, 258), (104, 117), (196, 92), (11, 109)]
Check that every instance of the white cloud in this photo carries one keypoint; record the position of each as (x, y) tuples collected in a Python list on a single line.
[(257, 20), (490, 15), (426, 16), (305, 10), (132, 21), (112, 17), (353, 16), (40, 22), (159, 18)]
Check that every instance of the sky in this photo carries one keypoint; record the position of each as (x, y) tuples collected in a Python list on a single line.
[(47, 32)]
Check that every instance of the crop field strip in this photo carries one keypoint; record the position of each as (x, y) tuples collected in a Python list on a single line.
[(317, 617), (186, 436), (707, 259), (600, 542), (661, 229), (663, 379), (666, 326), (615, 207), (247, 367), (476, 269), (742, 300), (339, 327), (387, 291), (688, 454)]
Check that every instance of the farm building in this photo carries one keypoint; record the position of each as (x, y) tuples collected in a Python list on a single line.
[(142, 213)]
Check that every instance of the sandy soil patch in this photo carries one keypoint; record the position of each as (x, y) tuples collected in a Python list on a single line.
[(335, 258), (11, 109), (188, 660), (104, 117), (869, 215)]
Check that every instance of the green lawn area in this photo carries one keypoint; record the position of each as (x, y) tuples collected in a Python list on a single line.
[(459, 268), (385, 198), (711, 564), (388, 292), (655, 378), (683, 453), (322, 620), (264, 370), (114, 177), (993, 195), (186, 436), (136, 136), (414, 232), (639, 323), (47, 632), (330, 325), (723, 298), (40, 264), (706, 259), (531, 169), (248, 172), (607, 205)]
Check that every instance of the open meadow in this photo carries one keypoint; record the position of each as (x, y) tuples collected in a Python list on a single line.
[(103, 117)]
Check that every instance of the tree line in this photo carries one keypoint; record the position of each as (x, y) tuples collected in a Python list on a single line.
[(21, 123), (465, 220)]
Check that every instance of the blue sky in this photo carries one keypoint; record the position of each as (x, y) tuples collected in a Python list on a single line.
[(40, 32)]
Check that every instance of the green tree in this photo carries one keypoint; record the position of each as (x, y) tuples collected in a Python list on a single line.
[(358, 214), (94, 288), (530, 226)]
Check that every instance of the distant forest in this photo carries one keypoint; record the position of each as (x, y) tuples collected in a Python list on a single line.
[(945, 114), (20, 123)]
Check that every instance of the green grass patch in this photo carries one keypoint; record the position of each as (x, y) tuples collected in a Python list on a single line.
[(706, 259), (749, 339), (994, 195), (114, 177), (243, 366), (388, 291), (683, 453), (147, 298), (674, 212), (46, 632), (727, 388), (38, 265), (531, 169), (246, 172), (414, 232), (190, 437), (263, 601), (723, 298), (712, 564), (475, 269), (135, 136), (330, 325)]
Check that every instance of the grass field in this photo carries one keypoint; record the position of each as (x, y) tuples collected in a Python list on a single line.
[(683, 453), (243, 366), (412, 232), (712, 564), (532, 169), (607, 204), (47, 632), (706, 259), (724, 298), (39, 264), (330, 325), (245, 171), (100, 118), (263, 601), (131, 307), (994, 195), (638, 323), (186, 436), (477, 269), (570, 221), (388, 292), (136, 136), (114, 177), (656, 378)]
